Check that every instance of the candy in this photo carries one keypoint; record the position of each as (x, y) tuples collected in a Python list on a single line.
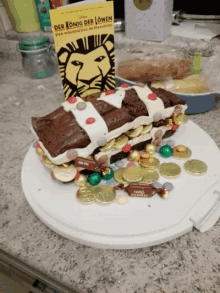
[(166, 151), (150, 148), (81, 106), (118, 176), (72, 154), (72, 100), (157, 185), (157, 117), (102, 141), (90, 120), (132, 174), (94, 179), (127, 148), (168, 186), (134, 156), (152, 97), (171, 143), (104, 194), (81, 181), (169, 170), (119, 164), (107, 173), (195, 167)]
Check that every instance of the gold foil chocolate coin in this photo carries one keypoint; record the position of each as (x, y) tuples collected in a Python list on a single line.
[(118, 176), (150, 164), (134, 156), (104, 194), (39, 151), (181, 152), (64, 174), (146, 129), (169, 170), (195, 167), (180, 119), (121, 199), (47, 162), (81, 181), (150, 176), (120, 142), (108, 146), (85, 195), (132, 174), (132, 133), (150, 148)]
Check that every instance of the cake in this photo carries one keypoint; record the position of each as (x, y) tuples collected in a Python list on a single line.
[(102, 128)]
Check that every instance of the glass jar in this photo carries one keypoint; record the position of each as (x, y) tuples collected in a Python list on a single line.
[(37, 58)]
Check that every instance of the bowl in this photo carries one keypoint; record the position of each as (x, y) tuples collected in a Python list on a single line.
[(197, 103)]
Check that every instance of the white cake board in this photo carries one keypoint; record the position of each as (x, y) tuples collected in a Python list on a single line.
[(194, 202)]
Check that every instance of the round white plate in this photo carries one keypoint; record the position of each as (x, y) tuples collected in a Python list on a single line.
[(194, 201)]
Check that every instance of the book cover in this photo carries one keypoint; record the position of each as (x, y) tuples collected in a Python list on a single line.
[(84, 41)]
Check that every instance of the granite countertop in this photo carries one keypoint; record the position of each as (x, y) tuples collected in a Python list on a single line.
[(190, 263)]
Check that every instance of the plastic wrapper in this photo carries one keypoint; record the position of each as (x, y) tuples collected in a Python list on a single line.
[(192, 84), (147, 63)]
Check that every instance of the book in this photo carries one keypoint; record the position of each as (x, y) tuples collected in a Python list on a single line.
[(84, 42)]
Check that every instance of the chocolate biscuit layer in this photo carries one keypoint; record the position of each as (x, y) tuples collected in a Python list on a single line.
[(59, 131)]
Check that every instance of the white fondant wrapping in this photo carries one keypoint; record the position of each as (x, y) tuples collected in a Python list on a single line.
[(143, 120), (113, 99), (94, 130), (153, 106)]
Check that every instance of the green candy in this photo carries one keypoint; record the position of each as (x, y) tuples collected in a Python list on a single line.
[(94, 179), (166, 151), (109, 175)]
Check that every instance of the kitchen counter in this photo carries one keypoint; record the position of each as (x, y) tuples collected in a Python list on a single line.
[(190, 263)]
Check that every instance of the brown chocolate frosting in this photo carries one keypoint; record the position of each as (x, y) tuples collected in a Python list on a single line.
[(59, 131)]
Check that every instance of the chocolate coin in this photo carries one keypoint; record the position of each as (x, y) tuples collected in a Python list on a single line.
[(118, 176), (180, 119), (104, 194), (149, 176), (46, 162), (149, 164), (39, 151), (195, 167), (85, 195), (121, 199), (64, 174), (132, 174), (134, 156), (146, 129), (135, 132), (169, 170), (108, 146), (181, 152), (120, 142), (81, 181)]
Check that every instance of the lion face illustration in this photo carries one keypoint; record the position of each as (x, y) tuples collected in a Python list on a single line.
[(87, 66)]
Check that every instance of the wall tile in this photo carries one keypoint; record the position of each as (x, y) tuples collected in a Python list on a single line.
[(4, 47)]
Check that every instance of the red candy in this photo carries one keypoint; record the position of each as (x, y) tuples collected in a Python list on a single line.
[(127, 148), (110, 92), (152, 97), (175, 127), (77, 175), (124, 85), (72, 100), (130, 164), (90, 120), (38, 145)]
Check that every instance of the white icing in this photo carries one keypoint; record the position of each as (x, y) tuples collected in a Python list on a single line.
[(100, 128), (114, 99), (94, 130), (153, 106)]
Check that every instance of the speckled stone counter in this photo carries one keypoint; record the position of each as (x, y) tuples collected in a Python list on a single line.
[(190, 263)]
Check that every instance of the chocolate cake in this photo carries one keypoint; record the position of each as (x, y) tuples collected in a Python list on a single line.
[(97, 125)]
